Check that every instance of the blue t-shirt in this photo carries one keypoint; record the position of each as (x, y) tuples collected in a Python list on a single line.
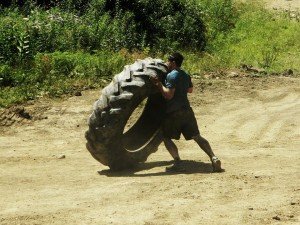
[(181, 81)]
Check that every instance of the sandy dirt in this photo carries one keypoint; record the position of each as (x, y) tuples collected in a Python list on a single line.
[(252, 123), (277, 4), (48, 177)]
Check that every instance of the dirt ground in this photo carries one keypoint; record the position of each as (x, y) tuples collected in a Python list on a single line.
[(252, 123), (277, 4), (48, 177)]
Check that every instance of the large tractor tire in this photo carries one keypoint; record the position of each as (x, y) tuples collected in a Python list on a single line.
[(107, 140)]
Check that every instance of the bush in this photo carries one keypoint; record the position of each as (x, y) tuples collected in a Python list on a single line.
[(104, 25), (12, 37), (57, 73), (45, 52), (5, 76), (177, 24), (219, 16)]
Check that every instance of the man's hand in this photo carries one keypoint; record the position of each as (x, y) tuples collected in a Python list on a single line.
[(156, 81), (167, 93)]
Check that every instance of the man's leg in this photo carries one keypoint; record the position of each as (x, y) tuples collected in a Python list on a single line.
[(205, 146), (173, 150)]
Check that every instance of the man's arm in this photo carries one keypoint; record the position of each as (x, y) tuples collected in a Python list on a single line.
[(167, 93)]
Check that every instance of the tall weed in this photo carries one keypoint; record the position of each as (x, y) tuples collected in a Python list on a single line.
[(261, 38), (57, 73), (52, 52)]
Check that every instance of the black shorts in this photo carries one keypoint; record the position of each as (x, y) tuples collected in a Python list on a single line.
[(180, 122)]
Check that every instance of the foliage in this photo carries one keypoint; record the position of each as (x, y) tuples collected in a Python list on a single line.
[(54, 74), (56, 48), (219, 17), (261, 38), (109, 25)]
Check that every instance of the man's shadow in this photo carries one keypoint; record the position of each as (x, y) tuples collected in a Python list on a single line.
[(190, 166)]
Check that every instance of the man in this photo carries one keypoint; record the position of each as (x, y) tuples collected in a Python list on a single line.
[(180, 118)]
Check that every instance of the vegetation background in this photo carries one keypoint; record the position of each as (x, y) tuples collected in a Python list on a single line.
[(50, 48)]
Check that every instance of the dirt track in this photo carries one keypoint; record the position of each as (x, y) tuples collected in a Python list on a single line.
[(277, 4), (253, 124)]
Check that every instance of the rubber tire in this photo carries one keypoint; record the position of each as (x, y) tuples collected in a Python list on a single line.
[(105, 138)]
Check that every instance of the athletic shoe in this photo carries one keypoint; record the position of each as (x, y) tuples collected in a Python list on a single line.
[(216, 164)]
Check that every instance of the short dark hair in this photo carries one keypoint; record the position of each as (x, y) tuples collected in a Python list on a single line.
[(176, 57)]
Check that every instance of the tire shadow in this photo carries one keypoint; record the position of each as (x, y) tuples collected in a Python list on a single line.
[(190, 166)]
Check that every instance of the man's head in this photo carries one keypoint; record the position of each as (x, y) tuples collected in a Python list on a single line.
[(176, 57)]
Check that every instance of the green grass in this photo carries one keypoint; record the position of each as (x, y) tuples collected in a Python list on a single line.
[(261, 38), (58, 73)]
